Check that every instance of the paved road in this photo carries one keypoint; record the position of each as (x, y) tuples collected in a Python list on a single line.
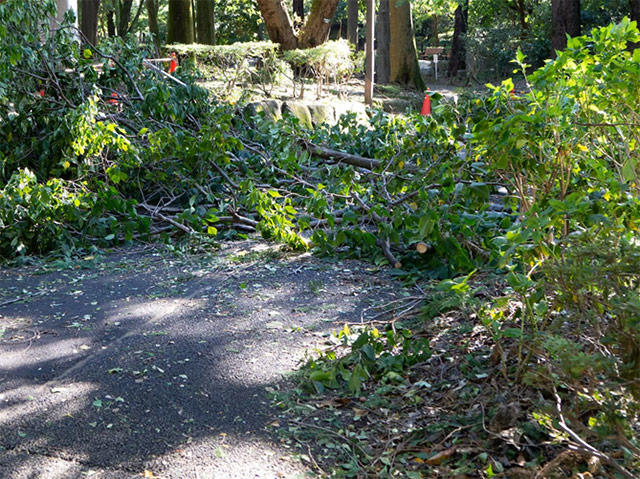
[(144, 363)]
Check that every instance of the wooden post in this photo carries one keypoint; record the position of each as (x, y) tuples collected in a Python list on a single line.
[(369, 50)]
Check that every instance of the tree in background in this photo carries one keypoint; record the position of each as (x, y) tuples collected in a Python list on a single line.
[(205, 15), (383, 68), (314, 32), (180, 22), (565, 20), (457, 58), (352, 21), (152, 16), (89, 10), (404, 67)]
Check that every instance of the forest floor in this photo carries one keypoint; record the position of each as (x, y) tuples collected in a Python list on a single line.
[(391, 98), (146, 363)]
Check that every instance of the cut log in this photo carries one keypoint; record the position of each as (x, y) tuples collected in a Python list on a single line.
[(422, 247), (386, 250)]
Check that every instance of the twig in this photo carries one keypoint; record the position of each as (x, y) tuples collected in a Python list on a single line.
[(163, 73), (584, 446)]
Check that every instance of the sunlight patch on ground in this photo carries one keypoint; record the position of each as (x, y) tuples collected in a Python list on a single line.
[(62, 401), (43, 353)]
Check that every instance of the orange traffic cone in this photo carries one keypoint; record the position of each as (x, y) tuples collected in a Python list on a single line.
[(426, 105), (174, 63)]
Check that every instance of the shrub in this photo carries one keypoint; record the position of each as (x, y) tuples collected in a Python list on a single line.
[(331, 60), (257, 62)]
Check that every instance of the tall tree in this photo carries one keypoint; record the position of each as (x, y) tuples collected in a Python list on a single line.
[(205, 14), (457, 58), (152, 15), (314, 32), (352, 22), (565, 20), (403, 54), (180, 23), (382, 51), (124, 16), (89, 20)]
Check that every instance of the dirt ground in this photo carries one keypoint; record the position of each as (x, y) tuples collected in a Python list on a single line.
[(144, 363)]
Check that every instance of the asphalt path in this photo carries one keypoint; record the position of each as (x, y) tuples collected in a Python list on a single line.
[(142, 363)]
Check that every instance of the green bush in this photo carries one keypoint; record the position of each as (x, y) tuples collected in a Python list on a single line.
[(332, 59), (255, 62)]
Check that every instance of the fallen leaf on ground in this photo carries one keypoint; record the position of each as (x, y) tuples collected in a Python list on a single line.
[(440, 457)]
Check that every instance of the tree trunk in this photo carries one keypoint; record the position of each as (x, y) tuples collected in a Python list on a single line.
[(435, 34), (573, 18), (457, 58), (352, 22), (298, 9), (124, 16), (404, 66), (205, 11), (382, 43), (370, 52), (565, 20), (89, 20), (316, 28), (278, 23), (152, 14), (180, 23), (111, 23)]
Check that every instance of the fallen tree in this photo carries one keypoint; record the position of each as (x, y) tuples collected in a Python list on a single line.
[(118, 150)]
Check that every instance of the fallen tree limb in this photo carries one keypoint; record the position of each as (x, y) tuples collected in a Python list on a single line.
[(341, 156), (386, 250)]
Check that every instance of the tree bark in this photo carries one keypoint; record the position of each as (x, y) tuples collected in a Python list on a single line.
[(316, 28), (457, 58), (403, 55), (278, 23), (124, 16), (565, 20), (435, 34), (89, 20), (180, 23), (205, 12), (280, 28), (370, 52), (383, 67), (352, 22), (152, 14)]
